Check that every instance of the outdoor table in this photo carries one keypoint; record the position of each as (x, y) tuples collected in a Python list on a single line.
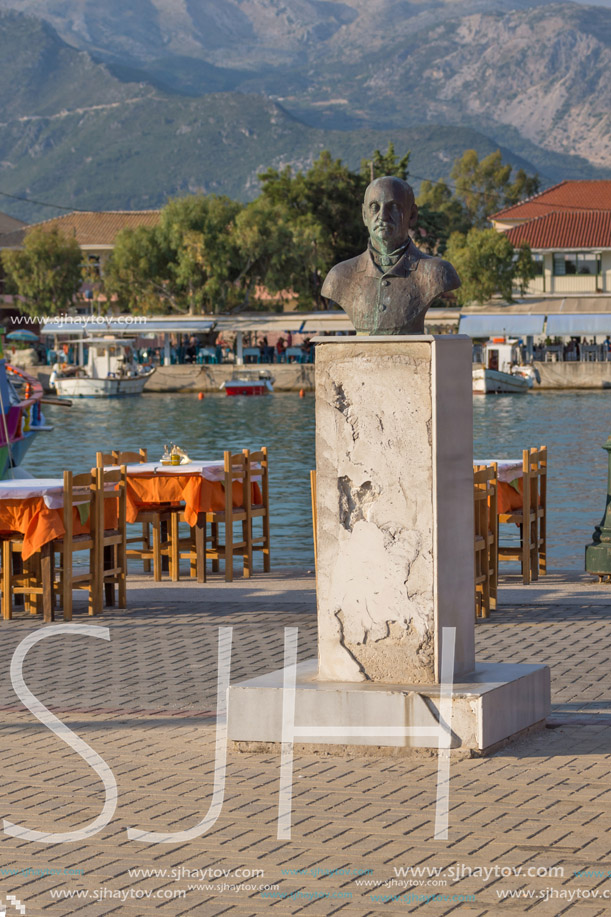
[(33, 507), (199, 485), (509, 475)]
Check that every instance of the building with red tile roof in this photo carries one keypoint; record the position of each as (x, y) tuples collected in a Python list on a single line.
[(9, 224), (566, 196), (568, 228), (95, 231)]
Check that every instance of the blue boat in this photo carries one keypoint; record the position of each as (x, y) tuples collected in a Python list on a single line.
[(21, 417)]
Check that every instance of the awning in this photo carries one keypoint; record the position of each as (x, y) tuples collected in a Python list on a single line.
[(133, 325), (492, 325), (316, 325), (577, 324)]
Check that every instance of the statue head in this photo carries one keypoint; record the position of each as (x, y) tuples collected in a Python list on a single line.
[(389, 211)]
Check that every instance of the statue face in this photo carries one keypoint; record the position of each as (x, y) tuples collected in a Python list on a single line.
[(387, 213)]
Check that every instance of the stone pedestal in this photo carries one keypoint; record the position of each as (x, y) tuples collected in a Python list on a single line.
[(394, 447), (394, 479)]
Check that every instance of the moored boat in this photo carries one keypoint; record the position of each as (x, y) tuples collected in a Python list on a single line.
[(502, 371), (21, 416), (110, 372), (244, 383)]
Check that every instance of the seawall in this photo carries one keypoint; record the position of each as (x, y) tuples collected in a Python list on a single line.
[(294, 376)]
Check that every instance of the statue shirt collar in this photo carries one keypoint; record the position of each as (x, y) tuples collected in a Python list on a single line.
[(407, 262)]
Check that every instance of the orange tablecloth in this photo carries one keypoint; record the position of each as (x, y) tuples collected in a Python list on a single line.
[(508, 498), (145, 491), (39, 525)]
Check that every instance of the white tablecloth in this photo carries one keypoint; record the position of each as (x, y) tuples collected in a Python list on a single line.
[(211, 470), (508, 469)]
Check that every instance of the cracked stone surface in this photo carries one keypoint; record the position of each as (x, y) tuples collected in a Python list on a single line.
[(375, 507), (395, 502)]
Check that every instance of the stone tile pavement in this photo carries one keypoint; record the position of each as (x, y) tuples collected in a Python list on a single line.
[(522, 821)]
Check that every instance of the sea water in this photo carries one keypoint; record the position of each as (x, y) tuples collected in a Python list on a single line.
[(573, 426)]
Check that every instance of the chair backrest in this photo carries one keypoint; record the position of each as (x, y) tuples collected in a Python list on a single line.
[(116, 457), (104, 458), (130, 458), (314, 514), (534, 470), (235, 469), (110, 484), (485, 536), (258, 470), (79, 489)]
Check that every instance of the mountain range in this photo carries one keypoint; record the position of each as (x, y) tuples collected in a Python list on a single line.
[(123, 104)]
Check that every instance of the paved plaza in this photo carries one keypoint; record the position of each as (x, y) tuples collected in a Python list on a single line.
[(524, 821)]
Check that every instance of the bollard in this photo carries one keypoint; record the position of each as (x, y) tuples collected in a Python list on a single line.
[(598, 554)]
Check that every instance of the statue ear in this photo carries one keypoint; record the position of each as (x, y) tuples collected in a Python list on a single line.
[(363, 214), (413, 220)]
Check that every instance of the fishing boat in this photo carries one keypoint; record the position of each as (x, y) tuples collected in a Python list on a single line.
[(502, 371), (22, 418), (110, 371), (244, 382)]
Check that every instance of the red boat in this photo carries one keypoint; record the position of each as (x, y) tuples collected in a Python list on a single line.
[(244, 384)]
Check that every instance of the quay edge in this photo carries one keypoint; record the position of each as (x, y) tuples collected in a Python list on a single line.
[(295, 376)]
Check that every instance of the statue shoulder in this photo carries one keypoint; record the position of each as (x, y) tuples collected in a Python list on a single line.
[(339, 277), (442, 273)]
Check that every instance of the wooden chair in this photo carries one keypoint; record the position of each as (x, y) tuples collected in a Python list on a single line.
[(161, 521), (201, 547), (485, 542), (257, 468), (314, 515), (531, 518), (110, 543), (24, 579), (70, 543)]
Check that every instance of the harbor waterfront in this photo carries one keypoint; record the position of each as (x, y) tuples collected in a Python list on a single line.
[(291, 377), (573, 425)]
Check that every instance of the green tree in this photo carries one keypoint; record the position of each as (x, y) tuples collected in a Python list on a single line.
[(437, 197), (524, 268), (137, 272), (275, 251), (46, 272), (485, 264), (485, 186), (199, 232), (328, 195), (386, 163), (189, 262)]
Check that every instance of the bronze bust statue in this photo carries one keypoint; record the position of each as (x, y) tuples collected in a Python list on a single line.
[(388, 288)]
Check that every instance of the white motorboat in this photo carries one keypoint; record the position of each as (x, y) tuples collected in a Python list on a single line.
[(502, 371), (110, 371)]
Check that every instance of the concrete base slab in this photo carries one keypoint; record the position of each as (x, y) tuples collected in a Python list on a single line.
[(497, 702)]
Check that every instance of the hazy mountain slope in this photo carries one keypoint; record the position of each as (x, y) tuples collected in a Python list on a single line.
[(39, 74), (239, 33), (71, 133), (540, 68)]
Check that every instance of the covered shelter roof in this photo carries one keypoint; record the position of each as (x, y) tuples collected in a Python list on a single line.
[(512, 325), (581, 324)]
